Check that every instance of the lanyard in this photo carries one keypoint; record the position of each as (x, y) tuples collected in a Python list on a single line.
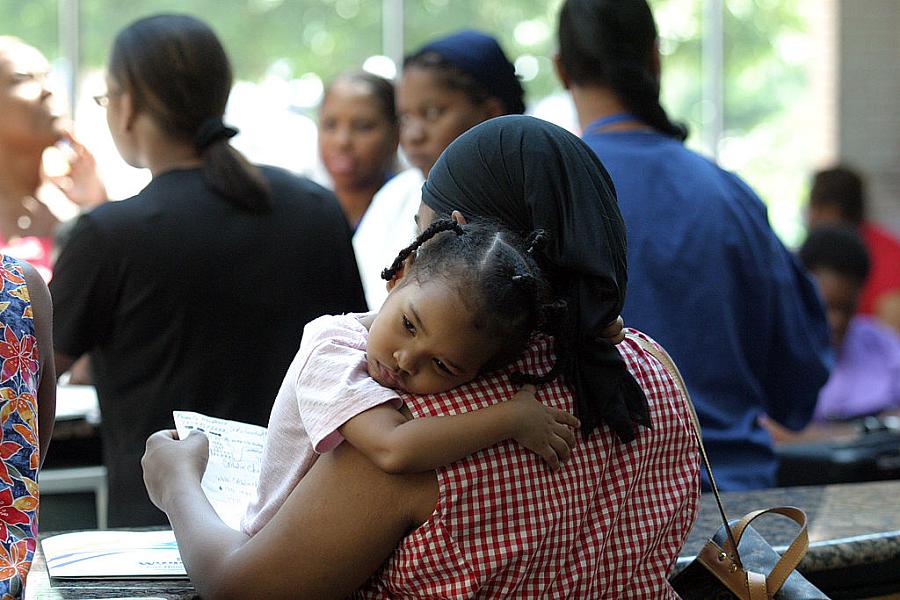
[(603, 123)]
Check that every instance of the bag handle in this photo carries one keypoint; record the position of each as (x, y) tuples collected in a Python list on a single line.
[(794, 553), (757, 585)]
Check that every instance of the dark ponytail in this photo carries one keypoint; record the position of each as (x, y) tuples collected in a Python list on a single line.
[(612, 43), (176, 71)]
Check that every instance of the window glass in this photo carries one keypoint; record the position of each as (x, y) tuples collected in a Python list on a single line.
[(772, 117)]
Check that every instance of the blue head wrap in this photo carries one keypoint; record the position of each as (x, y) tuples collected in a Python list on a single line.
[(480, 56)]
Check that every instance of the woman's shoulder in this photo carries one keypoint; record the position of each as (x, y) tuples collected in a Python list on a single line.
[(282, 179), (647, 360), (393, 207)]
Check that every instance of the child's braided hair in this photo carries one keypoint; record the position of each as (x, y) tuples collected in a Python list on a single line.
[(494, 272)]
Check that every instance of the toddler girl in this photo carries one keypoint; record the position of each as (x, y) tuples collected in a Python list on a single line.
[(465, 299)]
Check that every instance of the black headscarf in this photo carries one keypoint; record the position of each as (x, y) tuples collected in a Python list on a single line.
[(533, 175)]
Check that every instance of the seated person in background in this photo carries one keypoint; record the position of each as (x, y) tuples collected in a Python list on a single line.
[(447, 86), (27, 412), (838, 195), (866, 376), (466, 305), (358, 137), (193, 294), (31, 121)]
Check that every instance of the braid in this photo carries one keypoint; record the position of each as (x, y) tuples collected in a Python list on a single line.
[(611, 44), (432, 230), (639, 91)]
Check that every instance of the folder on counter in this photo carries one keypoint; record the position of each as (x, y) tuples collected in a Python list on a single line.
[(113, 554)]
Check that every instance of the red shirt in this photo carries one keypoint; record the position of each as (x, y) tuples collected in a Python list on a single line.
[(884, 277), (610, 523)]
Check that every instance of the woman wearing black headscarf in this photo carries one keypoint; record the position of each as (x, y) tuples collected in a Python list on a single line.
[(609, 523), (531, 175)]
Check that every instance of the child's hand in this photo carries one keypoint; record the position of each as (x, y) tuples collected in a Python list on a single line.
[(543, 429)]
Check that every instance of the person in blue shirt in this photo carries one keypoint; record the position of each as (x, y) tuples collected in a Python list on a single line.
[(708, 277)]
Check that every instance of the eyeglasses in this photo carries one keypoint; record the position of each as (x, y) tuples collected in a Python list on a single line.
[(102, 100)]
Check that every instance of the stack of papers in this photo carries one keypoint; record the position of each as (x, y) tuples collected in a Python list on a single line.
[(113, 555)]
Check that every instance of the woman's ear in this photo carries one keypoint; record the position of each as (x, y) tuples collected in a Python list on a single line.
[(129, 114), (561, 71), (458, 217), (401, 272)]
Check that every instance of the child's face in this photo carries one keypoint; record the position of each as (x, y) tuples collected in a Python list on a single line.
[(422, 340), (841, 295)]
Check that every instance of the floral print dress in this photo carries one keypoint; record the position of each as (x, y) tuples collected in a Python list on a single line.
[(19, 451)]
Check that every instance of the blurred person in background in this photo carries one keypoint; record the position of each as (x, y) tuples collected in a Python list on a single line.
[(447, 87), (358, 137), (709, 278), (866, 376), (193, 294), (838, 195), (31, 121)]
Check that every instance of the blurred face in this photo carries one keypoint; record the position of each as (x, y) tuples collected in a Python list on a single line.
[(119, 117), (29, 112), (357, 142), (840, 294), (825, 214), (422, 341), (432, 116)]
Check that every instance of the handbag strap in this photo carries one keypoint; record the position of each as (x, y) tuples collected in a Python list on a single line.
[(663, 357), (794, 553), (756, 584)]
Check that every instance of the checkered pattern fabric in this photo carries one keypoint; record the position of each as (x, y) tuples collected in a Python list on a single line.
[(609, 524)]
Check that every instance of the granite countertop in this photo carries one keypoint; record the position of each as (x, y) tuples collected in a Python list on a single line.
[(854, 533), (849, 525)]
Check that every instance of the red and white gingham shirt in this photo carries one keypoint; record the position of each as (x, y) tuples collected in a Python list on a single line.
[(609, 524)]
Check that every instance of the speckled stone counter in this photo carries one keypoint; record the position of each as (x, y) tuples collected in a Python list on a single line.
[(854, 552), (854, 532)]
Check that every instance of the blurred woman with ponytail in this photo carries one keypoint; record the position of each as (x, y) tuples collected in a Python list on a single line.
[(708, 277), (193, 294)]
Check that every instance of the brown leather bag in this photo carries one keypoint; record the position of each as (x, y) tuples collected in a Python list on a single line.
[(737, 562)]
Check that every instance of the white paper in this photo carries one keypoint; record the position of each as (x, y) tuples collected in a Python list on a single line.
[(235, 456), (77, 402), (112, 554)]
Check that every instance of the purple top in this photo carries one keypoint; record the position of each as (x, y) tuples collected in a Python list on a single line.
[(866, 376)]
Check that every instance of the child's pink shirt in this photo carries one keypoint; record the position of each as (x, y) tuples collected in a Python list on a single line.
[(326, 385)]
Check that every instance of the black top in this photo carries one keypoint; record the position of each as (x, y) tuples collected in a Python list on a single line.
[(189, 303)]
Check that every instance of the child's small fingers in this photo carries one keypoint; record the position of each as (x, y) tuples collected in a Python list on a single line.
[(550, 457), (567, 435), (561, 448), (566, 418)]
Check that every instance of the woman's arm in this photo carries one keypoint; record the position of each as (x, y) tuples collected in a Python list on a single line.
[(341, 522), (42, 309), (398, 445)]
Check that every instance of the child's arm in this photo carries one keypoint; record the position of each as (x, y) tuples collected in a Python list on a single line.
[(396, 445)]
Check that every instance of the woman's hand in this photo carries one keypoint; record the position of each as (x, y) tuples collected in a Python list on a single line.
[(542, 429), (169, 462), (82, 184), (614, 333)]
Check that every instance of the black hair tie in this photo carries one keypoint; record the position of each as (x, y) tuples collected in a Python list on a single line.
[(212, 130)]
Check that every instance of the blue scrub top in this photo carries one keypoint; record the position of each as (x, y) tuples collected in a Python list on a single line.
[(709, 280)]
